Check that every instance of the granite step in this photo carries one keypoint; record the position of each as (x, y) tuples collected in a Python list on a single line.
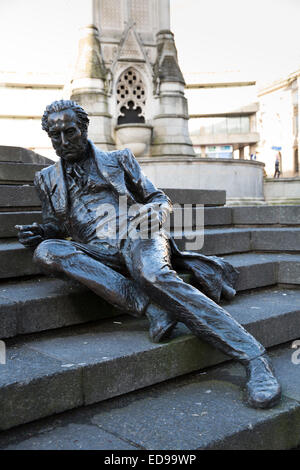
[(227, 240), (55, 371), (8, 220), (286, 215), (16, 260), (22, 155), (266, 215), (14, 173), (206, 197), (201, 410), (265, 269), (226, 217), (212, 216), (18, 196), (42, 303)]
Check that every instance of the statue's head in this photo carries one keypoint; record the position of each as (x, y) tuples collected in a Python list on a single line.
[(66, 123)]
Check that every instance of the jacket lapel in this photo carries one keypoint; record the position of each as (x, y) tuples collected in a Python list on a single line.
[(58, 190), (109, 167)]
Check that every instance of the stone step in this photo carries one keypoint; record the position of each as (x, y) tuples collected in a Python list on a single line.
[(13, 173), (8, 220), (221, 241), (248, 215), (42, 303), (12, 196), (16, 260), (22, 155), (201, 410), (213, 217), (266, 215), (262, 269), (205, 197), (51, 372), (272, 239)]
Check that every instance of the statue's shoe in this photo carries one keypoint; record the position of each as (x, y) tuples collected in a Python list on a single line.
[(263, 389), (160, 323), (161, 331), (228, 292)]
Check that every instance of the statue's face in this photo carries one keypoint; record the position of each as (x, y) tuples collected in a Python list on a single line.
[(68, 140)]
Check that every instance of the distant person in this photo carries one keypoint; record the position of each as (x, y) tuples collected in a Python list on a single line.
[(277, 171)]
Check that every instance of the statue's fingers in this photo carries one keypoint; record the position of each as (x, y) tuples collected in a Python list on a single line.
[(25, 228), (36, 228), (32, 241), (26, 234)]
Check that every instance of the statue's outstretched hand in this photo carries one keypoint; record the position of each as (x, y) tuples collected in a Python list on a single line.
[(30, 235)]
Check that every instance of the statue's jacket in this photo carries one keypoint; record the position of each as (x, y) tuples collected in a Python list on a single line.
[(214, 276)]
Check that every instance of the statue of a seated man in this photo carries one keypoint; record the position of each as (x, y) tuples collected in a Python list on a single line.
[(134, 273)]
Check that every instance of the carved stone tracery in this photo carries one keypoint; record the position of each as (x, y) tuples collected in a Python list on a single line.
[(131, 95)]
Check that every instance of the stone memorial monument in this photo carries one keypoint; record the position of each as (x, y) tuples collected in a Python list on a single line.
[(128, 79), (90, 191)]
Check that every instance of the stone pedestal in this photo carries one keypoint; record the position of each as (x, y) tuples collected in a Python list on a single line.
[(137, 137), (241, 179)]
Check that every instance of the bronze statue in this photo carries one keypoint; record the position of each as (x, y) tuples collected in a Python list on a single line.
[(134, 273)]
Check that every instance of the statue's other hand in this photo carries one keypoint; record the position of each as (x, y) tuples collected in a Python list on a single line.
[(30, 235), (147, 214)]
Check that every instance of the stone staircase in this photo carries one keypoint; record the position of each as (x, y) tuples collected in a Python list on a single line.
[(80, 374)]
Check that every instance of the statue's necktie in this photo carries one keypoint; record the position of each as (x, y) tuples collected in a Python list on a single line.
[(76, 175)]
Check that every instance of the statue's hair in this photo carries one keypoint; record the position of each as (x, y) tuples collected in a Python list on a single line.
[(62, 105)]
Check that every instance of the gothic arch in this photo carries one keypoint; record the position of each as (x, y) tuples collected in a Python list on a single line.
[(131, 97)]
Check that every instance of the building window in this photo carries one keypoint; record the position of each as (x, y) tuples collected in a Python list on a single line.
[(228, 125), (219, 151), (131, 97)]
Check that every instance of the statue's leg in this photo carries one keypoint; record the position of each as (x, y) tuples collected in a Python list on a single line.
[(62, 256), (148, 261)]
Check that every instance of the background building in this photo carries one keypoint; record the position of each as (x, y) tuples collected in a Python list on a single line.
[(223, 109), (278, 123)]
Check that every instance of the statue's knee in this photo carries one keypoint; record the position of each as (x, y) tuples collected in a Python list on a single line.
[(155, 276), (48, 252), (148, 276)]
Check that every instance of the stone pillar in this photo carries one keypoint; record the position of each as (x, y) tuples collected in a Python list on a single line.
[(203, 151), (170, 123), (241, 153), (89, 84), (164, 15)]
